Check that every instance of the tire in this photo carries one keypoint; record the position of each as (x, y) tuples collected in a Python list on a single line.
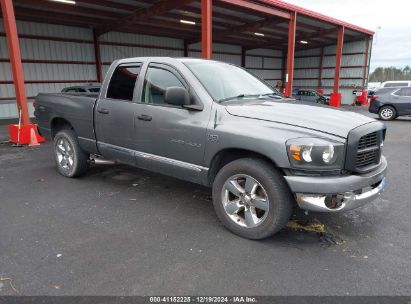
[(387, 113), (71, 160), (267, 216)]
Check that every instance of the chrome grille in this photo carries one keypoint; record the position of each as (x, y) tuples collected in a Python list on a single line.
[(368, 150)]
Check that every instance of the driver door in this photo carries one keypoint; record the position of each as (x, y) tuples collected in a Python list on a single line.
[(171, 139)]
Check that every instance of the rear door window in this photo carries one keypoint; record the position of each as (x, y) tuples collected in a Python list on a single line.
[(406, 92), (123, 81)]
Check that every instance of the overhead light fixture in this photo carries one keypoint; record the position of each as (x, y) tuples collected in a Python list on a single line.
[(187, 22), (303, 42), (259, 34), (65, 1)]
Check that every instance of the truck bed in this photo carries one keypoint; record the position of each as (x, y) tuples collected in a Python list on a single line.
[(77, 109)]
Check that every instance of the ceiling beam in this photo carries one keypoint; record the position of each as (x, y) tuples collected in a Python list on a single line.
[(110, 4), (246, 27), (216, 14), (250, 6), (144, 14)]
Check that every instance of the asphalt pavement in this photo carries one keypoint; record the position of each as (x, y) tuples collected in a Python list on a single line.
[(125, 231)]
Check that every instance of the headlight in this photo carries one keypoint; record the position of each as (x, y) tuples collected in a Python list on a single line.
[(315, 154)]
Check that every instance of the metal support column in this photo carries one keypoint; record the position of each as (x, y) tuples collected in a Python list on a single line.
[(320, 76), (97, 56), (340, 44), (243, 56), (206, 27), (292, 24), (15, 59), (366, 62), (186, 45)]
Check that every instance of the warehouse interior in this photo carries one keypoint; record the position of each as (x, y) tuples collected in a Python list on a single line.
[(65, 43)]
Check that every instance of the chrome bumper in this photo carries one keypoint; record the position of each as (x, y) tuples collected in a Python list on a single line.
[(333, 194), (345, 201)]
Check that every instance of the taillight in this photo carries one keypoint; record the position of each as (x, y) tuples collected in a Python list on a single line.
[(374, 97)]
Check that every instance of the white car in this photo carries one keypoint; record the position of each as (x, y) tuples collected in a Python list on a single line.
[(396, 83)]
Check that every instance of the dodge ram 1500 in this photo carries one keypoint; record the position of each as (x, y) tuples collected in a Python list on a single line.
[(218, 125)]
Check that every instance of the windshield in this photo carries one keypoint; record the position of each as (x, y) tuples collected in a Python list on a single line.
[(225, 81)]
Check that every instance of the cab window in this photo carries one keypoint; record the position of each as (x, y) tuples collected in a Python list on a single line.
[(122, 82), (156, 83)]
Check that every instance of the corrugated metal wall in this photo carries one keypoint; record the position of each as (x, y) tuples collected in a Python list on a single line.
[(57, 56), (122, 45), (49, 64), (307, 69)]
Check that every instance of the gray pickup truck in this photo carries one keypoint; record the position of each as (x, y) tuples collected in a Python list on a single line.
[(216, 124)]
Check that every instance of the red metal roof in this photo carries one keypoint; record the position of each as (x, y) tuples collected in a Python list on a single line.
[(315, 15)]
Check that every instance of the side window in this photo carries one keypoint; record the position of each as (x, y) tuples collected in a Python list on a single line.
[(122, 82), (81, 90), (403, 92), (72, 90), (155, 85)]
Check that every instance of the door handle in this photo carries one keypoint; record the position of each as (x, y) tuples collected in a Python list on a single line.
[(144, 117), (103, 111)]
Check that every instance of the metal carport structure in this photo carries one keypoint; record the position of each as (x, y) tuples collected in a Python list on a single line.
[(62, 40)]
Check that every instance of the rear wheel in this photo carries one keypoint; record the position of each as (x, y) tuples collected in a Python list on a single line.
[(251, 198), (71, 160), (387, 113)]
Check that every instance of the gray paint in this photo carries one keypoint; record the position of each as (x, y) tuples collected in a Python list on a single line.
[(183, 143)]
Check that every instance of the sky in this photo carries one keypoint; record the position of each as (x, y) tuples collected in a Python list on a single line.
[(391, 20)]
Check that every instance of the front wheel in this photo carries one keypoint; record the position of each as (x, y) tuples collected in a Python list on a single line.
[(387, 113), (71, 160), (251, 198)]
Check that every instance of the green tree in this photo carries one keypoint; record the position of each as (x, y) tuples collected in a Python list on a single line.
[(390, 73)]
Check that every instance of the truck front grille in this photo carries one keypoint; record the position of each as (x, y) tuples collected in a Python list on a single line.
[(368, 150), (369, 140), (364, 147)]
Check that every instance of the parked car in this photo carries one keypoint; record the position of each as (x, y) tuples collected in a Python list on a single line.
[(396, 83), (216, 124), (389, 103), (82, 89), (389, 84), (311, 96)]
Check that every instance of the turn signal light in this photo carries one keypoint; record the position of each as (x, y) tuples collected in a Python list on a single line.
[(295, 152)]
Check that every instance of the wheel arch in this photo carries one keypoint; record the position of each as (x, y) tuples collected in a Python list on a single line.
[(227, 155), (388, 104), (57, 124)]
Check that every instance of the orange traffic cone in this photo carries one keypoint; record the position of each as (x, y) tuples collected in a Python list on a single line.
[(33, 139)]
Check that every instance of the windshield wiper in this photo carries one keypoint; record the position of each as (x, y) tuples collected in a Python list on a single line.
[(237, 96), (273, 94)]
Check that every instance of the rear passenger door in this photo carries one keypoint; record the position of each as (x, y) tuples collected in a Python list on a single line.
[(115, 115), (403, 101)]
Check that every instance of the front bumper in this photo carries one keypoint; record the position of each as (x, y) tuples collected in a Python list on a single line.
[(340, 193)]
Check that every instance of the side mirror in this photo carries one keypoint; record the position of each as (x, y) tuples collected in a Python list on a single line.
[(177, 96)]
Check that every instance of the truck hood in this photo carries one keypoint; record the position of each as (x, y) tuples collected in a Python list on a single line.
[(319, 118)]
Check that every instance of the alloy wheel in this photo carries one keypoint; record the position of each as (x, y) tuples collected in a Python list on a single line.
[(245, 201)]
